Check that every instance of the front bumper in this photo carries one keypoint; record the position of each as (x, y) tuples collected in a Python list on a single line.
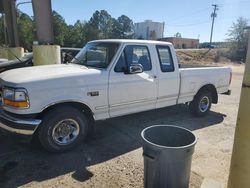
[(17, 125)]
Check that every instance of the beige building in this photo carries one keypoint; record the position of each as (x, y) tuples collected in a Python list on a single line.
[(149, 30), (182, 42)]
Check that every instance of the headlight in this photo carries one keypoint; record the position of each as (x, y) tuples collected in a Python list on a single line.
[(20, 96), (17, 98), (8, 94)]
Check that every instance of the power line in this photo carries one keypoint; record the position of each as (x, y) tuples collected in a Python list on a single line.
[(193, 13), (213, 15), (232, 3), (191, 24)]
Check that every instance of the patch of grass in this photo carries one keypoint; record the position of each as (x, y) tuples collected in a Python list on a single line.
[(201, 56)]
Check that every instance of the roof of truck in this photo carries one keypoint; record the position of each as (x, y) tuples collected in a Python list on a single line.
[(133, 41)]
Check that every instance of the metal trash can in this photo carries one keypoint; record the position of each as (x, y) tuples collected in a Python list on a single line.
[(167, 152)]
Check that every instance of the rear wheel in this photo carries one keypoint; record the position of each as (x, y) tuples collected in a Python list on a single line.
[(201, 104), (62, 129)]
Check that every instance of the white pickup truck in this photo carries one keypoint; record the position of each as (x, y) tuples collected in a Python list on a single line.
[(107, 78)]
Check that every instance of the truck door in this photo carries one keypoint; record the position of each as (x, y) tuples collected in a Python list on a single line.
[(129, 93), (168, 77)]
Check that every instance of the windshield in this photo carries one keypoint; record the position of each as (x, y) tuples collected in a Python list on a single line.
[(96, 54)]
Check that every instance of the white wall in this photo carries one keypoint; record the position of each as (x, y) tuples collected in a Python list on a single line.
[(146, 28)]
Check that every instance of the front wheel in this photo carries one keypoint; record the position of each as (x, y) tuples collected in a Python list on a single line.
[(62, 129), (201, 104)]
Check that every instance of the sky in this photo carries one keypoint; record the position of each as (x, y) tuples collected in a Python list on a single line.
[(191, 18)]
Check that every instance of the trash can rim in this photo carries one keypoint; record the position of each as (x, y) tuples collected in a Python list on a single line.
[(168, 147)]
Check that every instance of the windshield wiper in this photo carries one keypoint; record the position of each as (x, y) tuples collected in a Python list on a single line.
[(79, 62), (15, 56), (72, 57)]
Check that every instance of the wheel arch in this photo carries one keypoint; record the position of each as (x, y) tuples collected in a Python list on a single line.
[(211, 88), (78, 105)]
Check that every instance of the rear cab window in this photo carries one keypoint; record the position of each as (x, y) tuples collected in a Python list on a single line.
[(165, 58), (134, 54)]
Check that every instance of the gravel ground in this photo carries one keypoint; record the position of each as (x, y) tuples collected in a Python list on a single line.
[(113, 157)]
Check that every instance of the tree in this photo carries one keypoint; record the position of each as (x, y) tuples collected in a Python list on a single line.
[(126, 27), (25, 26), (105, 24), (2, 38), (75, 35), (99, 25), (238, 39), (116, 30), (91, 32), (25, 30), (59, 28)]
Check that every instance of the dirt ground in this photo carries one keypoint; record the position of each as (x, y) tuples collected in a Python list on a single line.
[(113, 157)]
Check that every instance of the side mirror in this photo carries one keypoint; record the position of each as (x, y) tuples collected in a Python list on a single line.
[(135, 69)]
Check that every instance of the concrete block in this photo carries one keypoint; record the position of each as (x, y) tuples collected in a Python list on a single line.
[(46, 54), (3, 53), (16, 51)]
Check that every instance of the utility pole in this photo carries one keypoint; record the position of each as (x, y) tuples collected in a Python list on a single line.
[(11, 22), (213, 15)]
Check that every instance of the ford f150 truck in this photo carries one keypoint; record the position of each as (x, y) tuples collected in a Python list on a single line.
[(107, 78)]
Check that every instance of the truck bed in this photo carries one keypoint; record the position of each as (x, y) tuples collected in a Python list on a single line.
[(194, 66), (192, 79)]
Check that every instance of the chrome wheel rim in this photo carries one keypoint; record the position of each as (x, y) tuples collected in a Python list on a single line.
[(204, 104), (65, 131)]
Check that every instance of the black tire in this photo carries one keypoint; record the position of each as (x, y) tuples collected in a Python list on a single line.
[(56, 117), (196, 107)]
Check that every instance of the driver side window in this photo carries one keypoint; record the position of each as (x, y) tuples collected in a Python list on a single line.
[(121, 65), (134, 54)]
